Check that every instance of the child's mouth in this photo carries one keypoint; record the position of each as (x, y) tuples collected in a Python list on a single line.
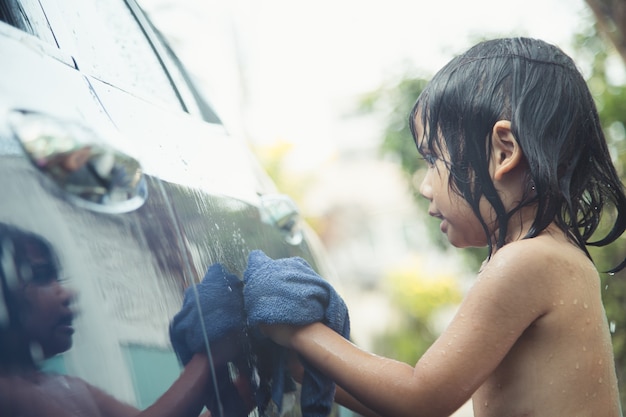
[(443, 226), (65, 324)]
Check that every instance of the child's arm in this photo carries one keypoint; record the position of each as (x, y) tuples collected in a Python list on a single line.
[(185, 398), (345, 399), (503, 302), (341, 396)]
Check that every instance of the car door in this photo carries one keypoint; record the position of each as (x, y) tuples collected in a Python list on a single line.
[(94, 73)]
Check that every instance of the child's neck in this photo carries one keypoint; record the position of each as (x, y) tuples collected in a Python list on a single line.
[(17, 361), (520, 224)]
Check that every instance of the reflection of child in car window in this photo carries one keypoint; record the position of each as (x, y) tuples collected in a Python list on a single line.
[(36, 323)]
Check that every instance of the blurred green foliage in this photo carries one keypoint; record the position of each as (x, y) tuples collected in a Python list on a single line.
[(598, 60), (418, 300)]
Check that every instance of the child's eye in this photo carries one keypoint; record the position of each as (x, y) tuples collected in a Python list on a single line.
[(43, 274), (430, 159)]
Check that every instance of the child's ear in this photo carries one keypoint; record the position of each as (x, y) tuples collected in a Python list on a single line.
[(506, 152)]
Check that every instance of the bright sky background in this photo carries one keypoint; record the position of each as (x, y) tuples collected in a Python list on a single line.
[(290, 70)]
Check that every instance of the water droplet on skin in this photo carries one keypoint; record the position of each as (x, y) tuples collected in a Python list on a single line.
[(577, 366), (600, 362), (561, 302), (585, 305), (600, 381), (588, 320), (575, 301), (584, 348)]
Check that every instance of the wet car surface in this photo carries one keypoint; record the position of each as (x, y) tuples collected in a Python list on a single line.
[(109, 153)]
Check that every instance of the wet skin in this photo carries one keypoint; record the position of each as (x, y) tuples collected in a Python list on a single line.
[(529, 339)]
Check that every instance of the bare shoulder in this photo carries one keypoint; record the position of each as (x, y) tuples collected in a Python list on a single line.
[(538, 272), (541, 260)]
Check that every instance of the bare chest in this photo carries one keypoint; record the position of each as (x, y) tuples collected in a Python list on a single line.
[(55, 396)]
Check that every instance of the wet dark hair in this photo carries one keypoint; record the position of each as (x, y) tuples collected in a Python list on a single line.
[(539, 89), (17, 249)]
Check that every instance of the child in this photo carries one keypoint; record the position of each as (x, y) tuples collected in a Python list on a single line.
[(517, 162), (36, 322)]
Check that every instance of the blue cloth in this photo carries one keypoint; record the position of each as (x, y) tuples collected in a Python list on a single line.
[(220, 298), (289, 291)]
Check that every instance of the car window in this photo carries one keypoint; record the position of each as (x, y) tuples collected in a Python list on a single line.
[(27, 16), (108, 43), (204, 109)]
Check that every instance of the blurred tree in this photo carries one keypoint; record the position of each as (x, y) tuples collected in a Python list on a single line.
[(596, 56), (418, 299), (611, 21), (273, 158)]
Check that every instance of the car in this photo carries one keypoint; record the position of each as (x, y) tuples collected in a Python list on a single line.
[(109, 152)]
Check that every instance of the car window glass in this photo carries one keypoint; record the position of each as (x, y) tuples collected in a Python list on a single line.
[(109, 44), (27, 16)]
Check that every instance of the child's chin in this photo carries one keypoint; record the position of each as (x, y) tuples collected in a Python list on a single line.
[(463, 244), (58, 347)]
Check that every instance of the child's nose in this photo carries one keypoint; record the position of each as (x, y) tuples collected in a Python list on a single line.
[(68, 295), (426, 189)]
